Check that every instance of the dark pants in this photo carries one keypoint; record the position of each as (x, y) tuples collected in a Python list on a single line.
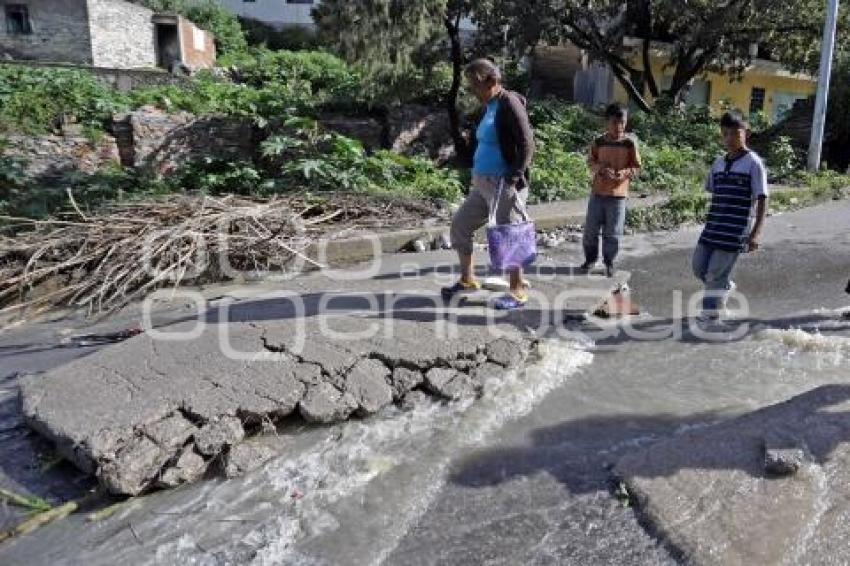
[(609, 215)]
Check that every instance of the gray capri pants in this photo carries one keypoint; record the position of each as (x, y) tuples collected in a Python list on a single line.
[(475, 210)]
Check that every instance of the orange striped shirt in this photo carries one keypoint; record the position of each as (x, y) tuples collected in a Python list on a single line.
[(619, 155)]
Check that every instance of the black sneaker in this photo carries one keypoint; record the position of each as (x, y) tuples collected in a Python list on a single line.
[(586, 266), (609, 270)]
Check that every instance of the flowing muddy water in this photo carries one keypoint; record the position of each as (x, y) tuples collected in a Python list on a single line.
[(366, 492), (552, 465), (522, 476), (289, 511)]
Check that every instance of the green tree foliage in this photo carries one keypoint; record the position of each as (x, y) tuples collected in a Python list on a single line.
[(699, 35), (225, 27), (306, 157), (380, 33), (293, 38), (391, 34)]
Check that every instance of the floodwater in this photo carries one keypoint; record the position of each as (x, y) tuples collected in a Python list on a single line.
[(521, 476)]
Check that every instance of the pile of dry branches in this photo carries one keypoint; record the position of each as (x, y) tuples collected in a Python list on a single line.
[(103, 261)]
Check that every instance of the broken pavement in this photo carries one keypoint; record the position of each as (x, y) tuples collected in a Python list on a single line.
[(159, 412)]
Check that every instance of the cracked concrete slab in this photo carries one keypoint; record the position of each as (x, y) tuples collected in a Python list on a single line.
[(405, 380), (325, 404), (368, 383), (219, 434), (188, 467), (244, 458), (710, 493), (159, 408), (450, 383)]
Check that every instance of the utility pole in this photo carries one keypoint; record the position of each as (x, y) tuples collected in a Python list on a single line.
[(827, 48)]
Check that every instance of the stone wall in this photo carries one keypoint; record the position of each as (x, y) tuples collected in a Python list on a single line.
[(409, 129), (122, 34), (51, 158), (368, 131), (123, 80), (60, 32), (146, 139), (151, 139), (419, 130)]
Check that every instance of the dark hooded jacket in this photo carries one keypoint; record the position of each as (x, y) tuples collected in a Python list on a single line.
[(516, 139)]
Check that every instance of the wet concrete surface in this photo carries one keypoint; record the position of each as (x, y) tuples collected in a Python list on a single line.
[(548, 475), (539, 490)]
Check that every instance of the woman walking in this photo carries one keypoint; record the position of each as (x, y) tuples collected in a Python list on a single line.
[(502, 148)]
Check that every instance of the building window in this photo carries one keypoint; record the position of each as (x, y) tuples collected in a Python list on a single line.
[(757, 100), (299, 1), (17, 19), (249, 1)]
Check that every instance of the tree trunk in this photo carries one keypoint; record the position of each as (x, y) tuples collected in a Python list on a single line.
[(687, 68), (630, 87), (649, 78), (453, 29)]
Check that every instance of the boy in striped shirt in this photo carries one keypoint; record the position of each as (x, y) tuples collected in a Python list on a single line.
[(737, 182)]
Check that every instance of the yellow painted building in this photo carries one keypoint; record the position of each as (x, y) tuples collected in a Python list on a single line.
[(764, 87)]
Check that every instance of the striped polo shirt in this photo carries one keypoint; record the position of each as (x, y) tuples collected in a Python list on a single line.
[(734, 184)]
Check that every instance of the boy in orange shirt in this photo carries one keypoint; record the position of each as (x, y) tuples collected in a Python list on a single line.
[(614, 161)]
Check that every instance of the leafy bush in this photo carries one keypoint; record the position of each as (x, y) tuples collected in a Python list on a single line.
[(781, 159), (222, 23), (324, 72), (218, 176), (759, 122), (206, 94), (413, 86), (270, 84), (306, 158), (335, 85), (12, 188), (669, 169), (570, 125), (825, 183), (692, 127), (557, 173), (34, 100)]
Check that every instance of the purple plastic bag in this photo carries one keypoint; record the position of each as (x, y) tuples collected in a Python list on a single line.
[(511, 246)]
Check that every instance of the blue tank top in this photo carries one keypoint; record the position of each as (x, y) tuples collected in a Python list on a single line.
[(488, 158)]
